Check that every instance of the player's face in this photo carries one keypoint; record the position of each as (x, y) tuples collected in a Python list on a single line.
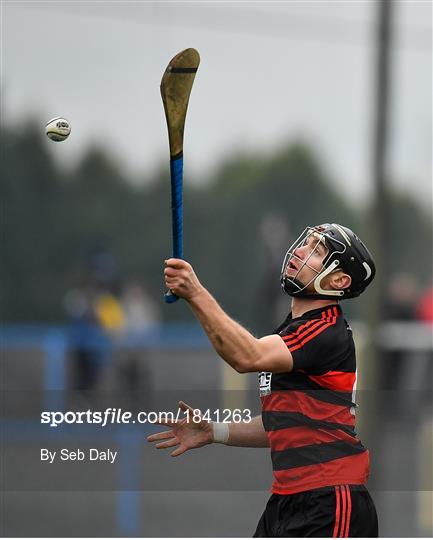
[(307, 260)]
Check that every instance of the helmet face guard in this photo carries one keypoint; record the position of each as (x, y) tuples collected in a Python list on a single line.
[(344, 251)]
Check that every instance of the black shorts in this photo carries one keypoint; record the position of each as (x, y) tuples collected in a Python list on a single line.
[(335, 511)]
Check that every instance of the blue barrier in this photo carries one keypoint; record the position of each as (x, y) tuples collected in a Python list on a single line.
[(55, 342), (164, 336)]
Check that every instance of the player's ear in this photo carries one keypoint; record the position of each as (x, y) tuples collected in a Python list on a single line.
[(339, 280)]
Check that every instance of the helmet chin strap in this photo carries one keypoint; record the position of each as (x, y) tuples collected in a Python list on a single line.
[(320, 293), (326, 292)]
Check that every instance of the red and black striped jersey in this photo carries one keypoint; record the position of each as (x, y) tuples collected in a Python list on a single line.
[(309, 413)]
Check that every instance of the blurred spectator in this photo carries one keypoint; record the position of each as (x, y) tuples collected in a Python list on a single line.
[(408, 367), (402, 297), (400, 306), (424, 308), (96, 316), (109, 312), (103, 269), (139, 308), (141, 313)]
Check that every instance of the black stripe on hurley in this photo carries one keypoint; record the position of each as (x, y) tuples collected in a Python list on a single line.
[(181, 70)]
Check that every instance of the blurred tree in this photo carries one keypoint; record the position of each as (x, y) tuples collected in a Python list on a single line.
[(54, 220), (31, 193), (411, 239), (289, 183)]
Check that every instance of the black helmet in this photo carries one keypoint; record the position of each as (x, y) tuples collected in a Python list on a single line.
[(345, 251)]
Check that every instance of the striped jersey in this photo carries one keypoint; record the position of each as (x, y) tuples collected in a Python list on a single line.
[(309, 413)]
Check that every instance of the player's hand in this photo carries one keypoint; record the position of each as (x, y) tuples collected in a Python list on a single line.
[(184, 434), (181, 279)]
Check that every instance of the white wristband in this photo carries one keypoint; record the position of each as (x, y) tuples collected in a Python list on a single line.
[(220, 432)]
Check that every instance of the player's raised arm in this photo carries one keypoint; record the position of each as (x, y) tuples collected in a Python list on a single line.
[(238, 347), (191, 432)]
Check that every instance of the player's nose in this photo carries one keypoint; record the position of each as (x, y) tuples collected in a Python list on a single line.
[(299, 252)]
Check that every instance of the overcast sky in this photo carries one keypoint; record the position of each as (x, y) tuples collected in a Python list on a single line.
[(270, 72)]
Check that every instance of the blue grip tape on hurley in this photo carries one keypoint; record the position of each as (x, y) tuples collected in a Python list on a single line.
[(176, 170), (176, 174)]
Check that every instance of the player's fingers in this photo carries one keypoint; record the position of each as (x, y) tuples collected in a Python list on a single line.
[(174, 271), (173, 287), (173, 280), (167, 444), (176, 263), (165, 422), (185, 407), (179, 451), (171, 272), (161, 435)]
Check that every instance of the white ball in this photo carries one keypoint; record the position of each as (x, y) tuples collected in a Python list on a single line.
[(58, 129)]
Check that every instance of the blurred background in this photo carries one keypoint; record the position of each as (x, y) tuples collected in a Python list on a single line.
[(301, 113)]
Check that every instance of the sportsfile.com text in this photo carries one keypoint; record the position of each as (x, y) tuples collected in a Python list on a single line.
[(112, 416)]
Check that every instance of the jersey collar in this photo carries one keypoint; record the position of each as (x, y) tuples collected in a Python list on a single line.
[(314, 313)]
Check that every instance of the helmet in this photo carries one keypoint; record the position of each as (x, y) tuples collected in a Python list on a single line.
[(345, 251)]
